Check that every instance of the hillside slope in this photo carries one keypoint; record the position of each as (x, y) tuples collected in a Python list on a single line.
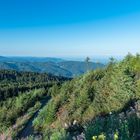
[(94, 94), (22, 94)]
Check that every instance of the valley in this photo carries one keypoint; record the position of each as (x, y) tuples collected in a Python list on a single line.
[(55, 66)]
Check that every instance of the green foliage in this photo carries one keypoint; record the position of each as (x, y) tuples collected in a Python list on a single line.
[(59, 135), (114, 127), (87, 99), (49, 112), (12, 82), (94, 94), (14, 107), (19, 92)]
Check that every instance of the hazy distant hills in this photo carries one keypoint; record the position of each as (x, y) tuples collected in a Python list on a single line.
[(29, 59), (54, 66)]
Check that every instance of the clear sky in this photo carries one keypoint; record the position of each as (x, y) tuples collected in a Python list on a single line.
[(69, 28)]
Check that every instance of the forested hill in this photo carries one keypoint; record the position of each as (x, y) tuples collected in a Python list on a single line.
[(22, 94), (54, 66), (27, 77), (101, 104), (13, 82)]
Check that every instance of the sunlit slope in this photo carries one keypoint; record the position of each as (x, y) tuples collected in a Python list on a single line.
[(96, 93)]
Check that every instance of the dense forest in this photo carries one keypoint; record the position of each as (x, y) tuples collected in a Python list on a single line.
[(103, 104), (12, 82), (20, 96)]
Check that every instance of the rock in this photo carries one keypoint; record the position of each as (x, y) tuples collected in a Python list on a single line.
[(74, 122), (66, 125)]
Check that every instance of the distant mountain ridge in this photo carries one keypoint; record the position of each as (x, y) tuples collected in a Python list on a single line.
[(30, 59), (56, 66), (2, 57)]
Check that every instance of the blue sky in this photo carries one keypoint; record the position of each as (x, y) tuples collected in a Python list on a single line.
[(69, 28)]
